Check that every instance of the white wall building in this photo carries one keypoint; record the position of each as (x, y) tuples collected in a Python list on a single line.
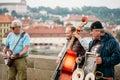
[(77, 19), (20, 7)]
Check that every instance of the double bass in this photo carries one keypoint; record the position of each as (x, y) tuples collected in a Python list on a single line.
[(66, 67)]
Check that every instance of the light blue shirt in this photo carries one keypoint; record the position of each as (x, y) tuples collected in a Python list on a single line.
[(12, 40)]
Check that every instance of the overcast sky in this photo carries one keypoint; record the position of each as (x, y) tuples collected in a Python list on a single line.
[(70, 3)]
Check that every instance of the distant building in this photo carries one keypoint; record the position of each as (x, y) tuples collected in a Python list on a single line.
[(5, 22), (20, 7), (41, 35), (43, 12), (113, 29), (76, 20), (27, 22)]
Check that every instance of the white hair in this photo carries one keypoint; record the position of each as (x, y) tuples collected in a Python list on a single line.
[(17, 22)]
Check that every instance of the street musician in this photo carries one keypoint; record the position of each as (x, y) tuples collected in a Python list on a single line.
[(79, 45), (109, 51)]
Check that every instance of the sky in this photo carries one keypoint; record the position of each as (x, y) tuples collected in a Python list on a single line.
[(70, 3)]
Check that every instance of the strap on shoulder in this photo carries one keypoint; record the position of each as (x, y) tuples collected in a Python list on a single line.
[(23, 34)]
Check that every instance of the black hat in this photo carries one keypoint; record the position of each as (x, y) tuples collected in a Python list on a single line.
[(96, 25)]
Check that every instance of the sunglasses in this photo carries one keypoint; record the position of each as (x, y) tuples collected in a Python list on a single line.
[(13, 28)]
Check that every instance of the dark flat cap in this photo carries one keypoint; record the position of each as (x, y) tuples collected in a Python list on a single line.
[(96, 25)]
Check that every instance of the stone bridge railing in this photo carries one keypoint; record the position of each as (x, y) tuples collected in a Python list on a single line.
[(41, 68)]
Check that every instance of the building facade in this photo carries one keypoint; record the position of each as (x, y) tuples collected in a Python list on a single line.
[(5, 22), (20, 7), (77, 19)]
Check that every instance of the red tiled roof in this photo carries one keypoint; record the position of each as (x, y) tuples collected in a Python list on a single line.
[(44, 31), (110, 30), (5, 18), (79, 18), (27, 22)]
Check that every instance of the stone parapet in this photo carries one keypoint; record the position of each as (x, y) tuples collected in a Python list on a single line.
[(41, 68)]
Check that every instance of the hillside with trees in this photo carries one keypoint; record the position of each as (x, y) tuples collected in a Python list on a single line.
[(112, 16)]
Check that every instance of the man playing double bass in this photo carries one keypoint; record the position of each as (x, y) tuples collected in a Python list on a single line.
[(79, 45)]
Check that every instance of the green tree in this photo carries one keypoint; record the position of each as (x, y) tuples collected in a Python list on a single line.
[(87, 29), (0, 11), (14, 13), (5, 10), (58, 21)]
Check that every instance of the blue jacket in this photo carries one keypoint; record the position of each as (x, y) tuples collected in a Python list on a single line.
[(110, 53)]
